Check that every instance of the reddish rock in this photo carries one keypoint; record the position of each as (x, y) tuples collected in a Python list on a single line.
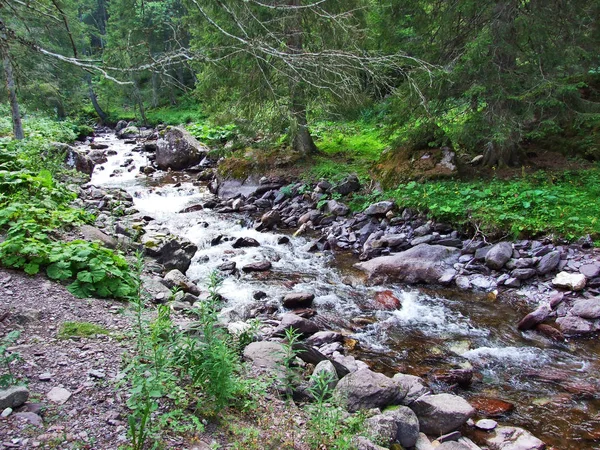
[(532, 319), (386, 300), (461, 377), (491, 407), (298, 300), (550, 332)]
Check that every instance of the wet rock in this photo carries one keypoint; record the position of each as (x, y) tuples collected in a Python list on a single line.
[(92, 234), (463, 283), (590, 270), (245, 242), (548, 263), (269, 220), (310, 216), (498, 255), (229, 266), (292, 321), (441, 413), (574, 325), (348, 185), (491, 407), (513, 438), (588, 308), (412, 385), (298, 300), (98, 157), (379, 208), (129, 132), (261, 266), (387, 301), (512, 282), (460, 377), (283, 240), (175, 279), (571, 281), (323, 338), (74, 159), (170, 251), (534, 318), (482, 282), (13, 397), (177, 149), (424, 263), (121, 124), (58, 395), (365, 389), (550, 332)]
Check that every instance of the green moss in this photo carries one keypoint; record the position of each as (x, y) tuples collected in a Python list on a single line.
[(80, 329)]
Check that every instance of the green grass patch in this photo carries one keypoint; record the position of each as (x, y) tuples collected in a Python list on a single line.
[(80, 329), (351, 147), (564, 204)]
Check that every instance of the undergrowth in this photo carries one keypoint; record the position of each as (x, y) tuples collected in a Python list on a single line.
[(36, 212)]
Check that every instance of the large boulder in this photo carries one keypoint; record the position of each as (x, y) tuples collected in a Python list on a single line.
[(177, 149), (407, 425), (441, 413), (266, 356), (571, 281), (513, 438), (93, 234), (74, 159), (365, 389), (170, 251), (587, 308), (13, 397), (423, 263), (498, 255)]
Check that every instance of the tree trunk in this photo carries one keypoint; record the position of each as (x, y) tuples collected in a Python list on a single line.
[(140, 101), (302, 140), (12, 95), (92, 96)]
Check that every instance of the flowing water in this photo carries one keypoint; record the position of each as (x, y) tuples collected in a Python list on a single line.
[(432, 330)]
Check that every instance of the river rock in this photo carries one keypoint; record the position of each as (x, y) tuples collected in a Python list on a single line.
[(298, 300), (261, 266), (98, 157), (121, 124), (362, 443), (382, 428), (269, 220), (292, 321), (513, 438), (412, 385), (13, 397), (573, 325), (155, 289), (266, 356), (536, 317), (442, 413), (523, 274), (407, 425), (170, 251), (498, 255), (590, 270), (387, 301), (174, 278), (365, 389), (588, 308), (486, 424), (74, 159), (336, 208), (91, 233), (548, 263), (327, 370), (129, 132), (323, 338), (348, 185), (571, 281), (379, 208), (452, 445), (550, 332), (424, 263), (177, 149), (491, 407), (245, 242)]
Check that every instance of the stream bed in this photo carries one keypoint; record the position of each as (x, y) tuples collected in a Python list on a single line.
[(553, 386)]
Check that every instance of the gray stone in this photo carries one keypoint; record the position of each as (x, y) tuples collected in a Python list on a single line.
[(498, 255), (451, 445), (512, 282), (292, 321), (548, 263), (324, 337), (245, 242), (92, 234), (441, 413), (298, 300), (261, 266), (382, 428), (170, 251), (13, 397), (379, 208), (31, 418), (412, 385), (424, 263), (365, 389), (590, 270), (534, 318), (348, 185), (154, 287), (486, 424), (423, 443), (407, 425), (523, 274), (177, 149), (588, 308), (269, 220), (422, 240), (336, 208), (513, 438), (175, 279), (324, 369), (58, 395), (362, 443), (573, 325), (266, 356), (7, 412)]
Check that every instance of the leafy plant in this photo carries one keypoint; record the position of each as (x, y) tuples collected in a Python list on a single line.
[(7, 358)]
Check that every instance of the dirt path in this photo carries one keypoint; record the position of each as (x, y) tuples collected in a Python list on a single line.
[(93, 417)]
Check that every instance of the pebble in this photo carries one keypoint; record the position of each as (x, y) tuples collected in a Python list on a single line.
[(486, 424), (58, 395), (46, 376), (96, 374), (7, 412)]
